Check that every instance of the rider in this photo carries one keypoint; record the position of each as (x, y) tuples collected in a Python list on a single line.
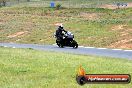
[(59, 32)]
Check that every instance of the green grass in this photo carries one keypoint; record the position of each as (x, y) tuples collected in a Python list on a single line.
[(27, 68), (39, 22)]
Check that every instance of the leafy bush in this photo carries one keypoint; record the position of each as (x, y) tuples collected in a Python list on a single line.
[(58, 6)]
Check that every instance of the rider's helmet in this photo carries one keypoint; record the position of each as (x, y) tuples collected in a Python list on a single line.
[(61, 26)]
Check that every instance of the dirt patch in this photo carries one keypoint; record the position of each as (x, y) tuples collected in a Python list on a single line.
[(112, 6), (122, 44), (125, 43), (125, 37), (17, 34), (1, 20), (125, 32), (126, 46), (1, 30), (118, 27), (108, 6), (90, 16)]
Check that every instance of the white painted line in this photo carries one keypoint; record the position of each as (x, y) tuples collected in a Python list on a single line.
[(54, 44), (11, 42), (80, 46), (89, 47), (95, 48), (13, 47), (101, 48), (5, 46), (128, 50), (117, 49)]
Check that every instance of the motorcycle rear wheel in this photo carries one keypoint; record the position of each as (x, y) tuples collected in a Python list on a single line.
[(59, 44)]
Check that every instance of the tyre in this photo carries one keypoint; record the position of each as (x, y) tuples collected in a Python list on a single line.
[(61, 46), (75, 45), (58, 43)]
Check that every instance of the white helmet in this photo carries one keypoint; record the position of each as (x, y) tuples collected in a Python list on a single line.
[(61, 25)]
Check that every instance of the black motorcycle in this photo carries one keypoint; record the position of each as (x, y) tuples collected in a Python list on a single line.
[(68, 40)]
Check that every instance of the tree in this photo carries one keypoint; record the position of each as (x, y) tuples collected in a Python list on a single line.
[(118, 4), (58, 6)]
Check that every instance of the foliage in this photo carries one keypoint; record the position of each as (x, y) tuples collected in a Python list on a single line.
[(27, 68), (58, 6)]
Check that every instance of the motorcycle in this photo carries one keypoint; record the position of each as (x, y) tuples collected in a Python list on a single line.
[(68, 40)]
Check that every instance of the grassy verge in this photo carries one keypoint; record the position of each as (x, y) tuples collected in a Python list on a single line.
[(26, 68), (92, 27)]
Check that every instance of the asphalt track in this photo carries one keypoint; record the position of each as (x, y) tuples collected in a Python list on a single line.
[(116, 53)]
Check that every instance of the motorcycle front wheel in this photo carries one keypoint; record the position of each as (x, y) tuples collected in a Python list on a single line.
[(75, 45)]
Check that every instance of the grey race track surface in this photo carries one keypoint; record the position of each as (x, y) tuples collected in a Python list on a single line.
[(116, 53)]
